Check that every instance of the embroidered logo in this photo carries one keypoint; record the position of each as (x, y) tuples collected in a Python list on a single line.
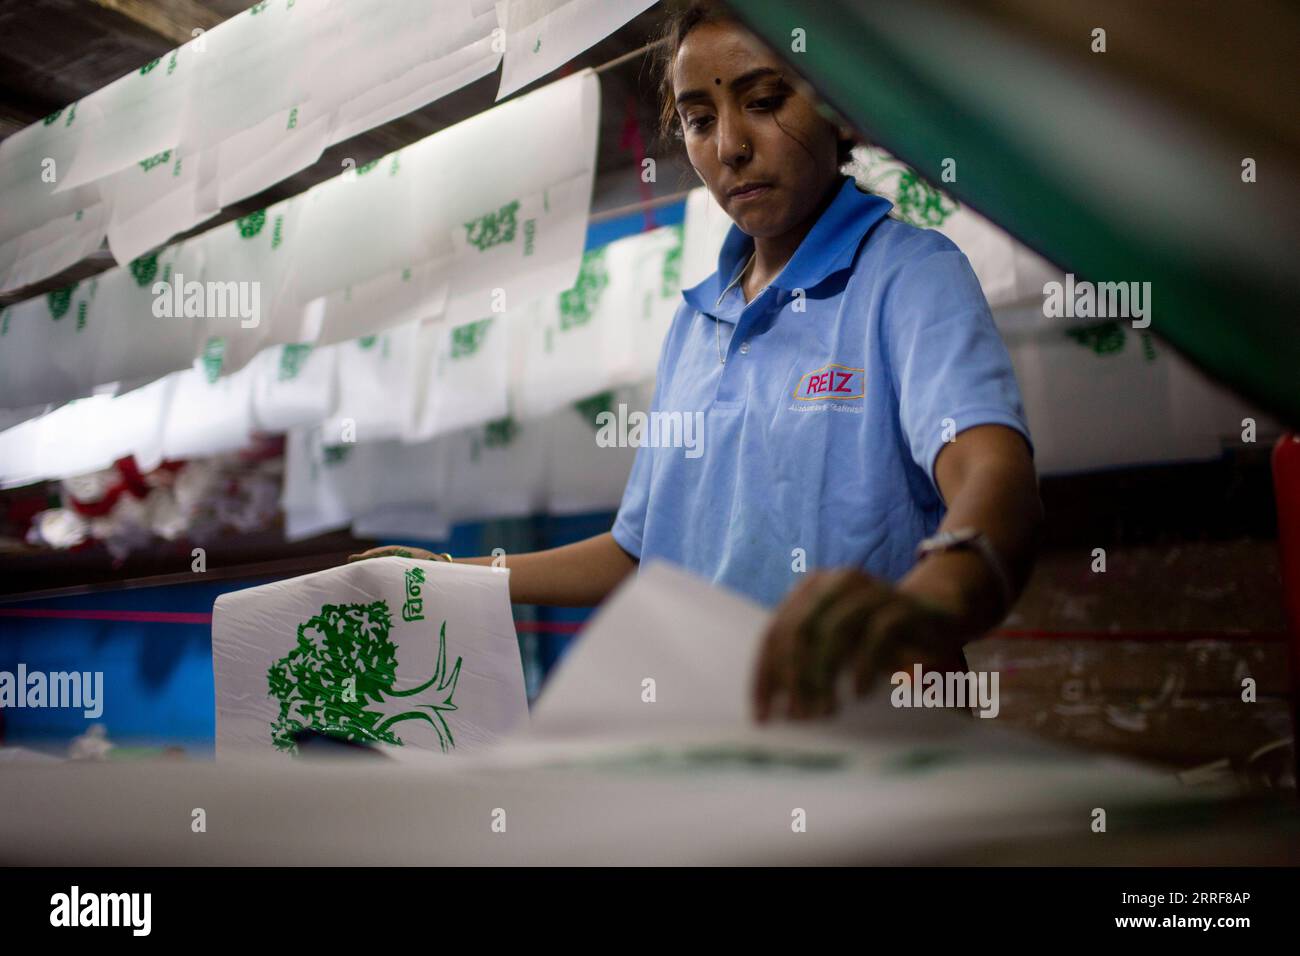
[(834, 382)]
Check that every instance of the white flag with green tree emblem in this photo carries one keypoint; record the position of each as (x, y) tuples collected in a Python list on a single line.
[(375, 383), (294, 385), (463, 378), (208, 414), (409, 656), (582, 475)]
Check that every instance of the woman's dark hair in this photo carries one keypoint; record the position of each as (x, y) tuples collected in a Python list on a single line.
[(681, 21)]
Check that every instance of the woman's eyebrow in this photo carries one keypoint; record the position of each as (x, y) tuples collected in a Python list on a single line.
[(748, 78)]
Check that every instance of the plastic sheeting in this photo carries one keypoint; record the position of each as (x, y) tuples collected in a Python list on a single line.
[(603, 332), (223, 117), (391, 652), (451, 226), (543, 35)]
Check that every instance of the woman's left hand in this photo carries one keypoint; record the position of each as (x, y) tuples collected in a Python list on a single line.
[(846, 621)]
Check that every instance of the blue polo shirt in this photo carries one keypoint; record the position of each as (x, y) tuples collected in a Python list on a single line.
[(819, 433)]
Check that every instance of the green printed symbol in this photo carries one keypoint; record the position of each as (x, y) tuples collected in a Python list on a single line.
[(368, 342), (1104, 338), (500, 433), (144, 269), (214, 352), (156, 160), (53, 117), (493, 228), (366, 167), (579, 303), (252, 224), (921, 204), (671, 279), (589, 408), (59, 300), (335, 454), (466, 339), (292, 358), (344, 662), (149, 66)]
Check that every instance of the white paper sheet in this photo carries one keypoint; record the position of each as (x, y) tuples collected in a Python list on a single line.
[(543, 35)]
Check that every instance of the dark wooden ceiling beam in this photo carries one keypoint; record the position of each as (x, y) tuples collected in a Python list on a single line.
[(174, 20)]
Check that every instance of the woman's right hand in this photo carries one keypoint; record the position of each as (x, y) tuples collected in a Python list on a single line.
[(396, 551)]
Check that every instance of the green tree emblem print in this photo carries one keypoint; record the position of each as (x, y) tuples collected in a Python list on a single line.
[(920, 203), (494, 228), (252, 224), (156, 160), (144, 269), (292, 358), (213, 357), (590, 408), (343, 663), (466, 339), (1104, 338), (59, 300), (671, 277), (499, 433), (579, 303)]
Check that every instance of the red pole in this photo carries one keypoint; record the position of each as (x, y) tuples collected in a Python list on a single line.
[(1286, 489)]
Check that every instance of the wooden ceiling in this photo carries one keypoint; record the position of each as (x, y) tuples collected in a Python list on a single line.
[(53, 52)]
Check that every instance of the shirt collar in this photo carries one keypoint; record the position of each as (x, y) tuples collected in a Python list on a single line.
[(829, 247)]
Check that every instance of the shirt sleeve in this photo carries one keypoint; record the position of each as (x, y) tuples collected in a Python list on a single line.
[(951, 369), (629, 523)]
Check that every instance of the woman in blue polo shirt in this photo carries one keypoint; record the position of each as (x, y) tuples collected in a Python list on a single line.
[(865, 466)]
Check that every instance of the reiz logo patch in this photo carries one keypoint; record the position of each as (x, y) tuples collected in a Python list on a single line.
[(836, 382)]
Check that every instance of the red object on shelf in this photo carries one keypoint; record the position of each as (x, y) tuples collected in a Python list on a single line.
[(1286, 489)]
